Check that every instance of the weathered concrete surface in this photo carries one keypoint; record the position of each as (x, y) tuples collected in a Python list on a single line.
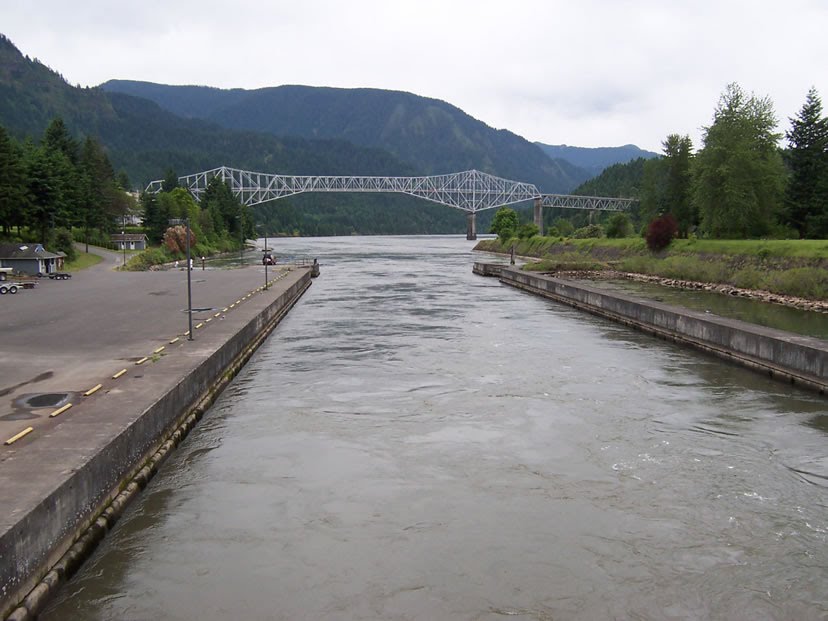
[(799, 359), (57, 479)]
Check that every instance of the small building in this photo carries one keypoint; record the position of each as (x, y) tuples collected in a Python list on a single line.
[(30, 259), (129, 241)]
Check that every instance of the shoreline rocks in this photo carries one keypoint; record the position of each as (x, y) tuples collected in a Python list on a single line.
[(817, 306)]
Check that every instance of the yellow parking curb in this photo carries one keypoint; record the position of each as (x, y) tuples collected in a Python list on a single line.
[(16, 437), (60, 411), (92, 390)]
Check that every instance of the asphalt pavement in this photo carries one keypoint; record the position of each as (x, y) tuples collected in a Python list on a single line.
[(64, 337)]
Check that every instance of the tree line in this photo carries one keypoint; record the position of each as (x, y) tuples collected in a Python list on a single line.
[(48, 188), (218, 221), (741, 184)]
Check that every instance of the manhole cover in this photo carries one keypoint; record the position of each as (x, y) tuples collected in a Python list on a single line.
[(45, 400)]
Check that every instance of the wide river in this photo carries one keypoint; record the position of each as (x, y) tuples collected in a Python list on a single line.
[(417, 442)]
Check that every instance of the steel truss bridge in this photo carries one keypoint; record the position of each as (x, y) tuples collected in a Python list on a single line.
[(470, 191)]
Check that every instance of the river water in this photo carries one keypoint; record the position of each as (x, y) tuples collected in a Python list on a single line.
[(417, 442)]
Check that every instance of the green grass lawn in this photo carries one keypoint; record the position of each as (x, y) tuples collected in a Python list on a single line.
[(82, 261)]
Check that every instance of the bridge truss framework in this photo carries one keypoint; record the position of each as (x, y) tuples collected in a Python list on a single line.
[(470, 191)]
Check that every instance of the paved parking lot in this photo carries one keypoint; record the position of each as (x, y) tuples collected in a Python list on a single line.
[(66, 336)]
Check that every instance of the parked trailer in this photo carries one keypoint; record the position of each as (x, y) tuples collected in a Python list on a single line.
[(10, 287)]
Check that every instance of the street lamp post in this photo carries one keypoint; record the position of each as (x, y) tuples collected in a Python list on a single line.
[(123, 239), (189, 286), (241, 238)]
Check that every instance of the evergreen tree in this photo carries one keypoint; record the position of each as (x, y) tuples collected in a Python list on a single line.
[(99, 191), (678, 182), (806, 199), (654, 190), (48, 173), (57, 138), (156, 220), (13, 191), (739, 176), (170, 181)]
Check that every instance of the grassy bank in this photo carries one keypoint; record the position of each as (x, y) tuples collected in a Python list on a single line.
[(786, 267)]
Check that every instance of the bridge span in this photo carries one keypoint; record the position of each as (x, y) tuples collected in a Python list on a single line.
[(470, 191)]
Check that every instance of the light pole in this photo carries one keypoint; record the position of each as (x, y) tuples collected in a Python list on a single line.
[(123, 239), (189, 286), (241, 237)]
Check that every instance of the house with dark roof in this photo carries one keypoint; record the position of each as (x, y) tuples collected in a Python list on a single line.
[(31, 259), (129, 241)]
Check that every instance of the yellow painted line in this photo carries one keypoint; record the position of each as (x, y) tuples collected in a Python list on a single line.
[(142, 360), (175, 340), (17, 436), (217, 315), (199, 325), (238, 301), (60, 411), (187, 333), (224, 310), (159, 350), (233, 305), (208, 320), (119, 374), (92, 390)]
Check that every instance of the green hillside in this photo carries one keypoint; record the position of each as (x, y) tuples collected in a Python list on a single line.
[(594, 160), (432, 135), (145, 141)]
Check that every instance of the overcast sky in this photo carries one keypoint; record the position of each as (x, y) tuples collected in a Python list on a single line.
[(579, 72)]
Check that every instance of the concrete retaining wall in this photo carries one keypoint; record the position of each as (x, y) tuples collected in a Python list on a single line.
[(799, 359), (78, 504)]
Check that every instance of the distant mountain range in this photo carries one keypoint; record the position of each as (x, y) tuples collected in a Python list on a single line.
[(431, 135), (149, 128), (595, 160)]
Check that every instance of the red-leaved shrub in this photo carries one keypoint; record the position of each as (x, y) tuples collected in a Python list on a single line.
[(661, 232)]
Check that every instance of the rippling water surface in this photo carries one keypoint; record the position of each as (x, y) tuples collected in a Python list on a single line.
[(416, 442)]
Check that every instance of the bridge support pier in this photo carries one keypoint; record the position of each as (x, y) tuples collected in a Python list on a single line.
[(471, 226), (539, 215)]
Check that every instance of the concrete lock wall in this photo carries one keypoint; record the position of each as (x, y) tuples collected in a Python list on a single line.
[(800, 359), (41, 537)]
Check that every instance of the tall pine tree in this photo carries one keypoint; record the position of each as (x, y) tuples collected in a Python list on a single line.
[(806, 199)]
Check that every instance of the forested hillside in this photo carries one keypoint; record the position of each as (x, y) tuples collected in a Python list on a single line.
[(622, 180), (432, 135), (595, 160), (145, 141)]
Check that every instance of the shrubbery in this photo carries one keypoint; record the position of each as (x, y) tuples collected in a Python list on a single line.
[(526, 231), (619, 225), (660, 232), (146, 259), (589, 231)]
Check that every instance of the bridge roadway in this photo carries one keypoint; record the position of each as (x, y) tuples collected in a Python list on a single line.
[(470, 191), (66, 337)]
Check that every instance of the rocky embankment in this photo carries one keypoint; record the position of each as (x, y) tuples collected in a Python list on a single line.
[(819, 306)]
